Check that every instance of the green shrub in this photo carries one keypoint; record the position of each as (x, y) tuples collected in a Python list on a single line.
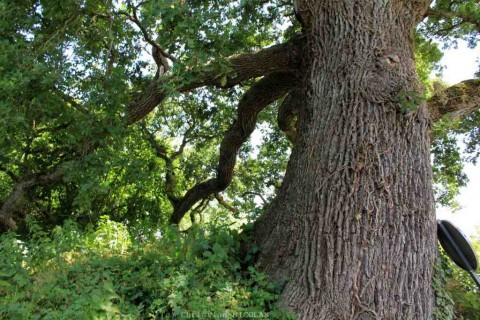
[(464, 292), (444, 305), (456, 294), (107, 274)]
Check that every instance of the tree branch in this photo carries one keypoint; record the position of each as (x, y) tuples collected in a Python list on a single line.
[(257, 195), (283, 57), (170, 177), (11, 204), (260, 95), (185, 140), (456, 101), (144, 31), (454, 15), (160, 150), (278, 58), (68, 99), (221, 200), (28, 181), (198, 211), (287, 115)]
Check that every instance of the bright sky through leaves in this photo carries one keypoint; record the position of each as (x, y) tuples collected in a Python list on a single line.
[(461, 65)]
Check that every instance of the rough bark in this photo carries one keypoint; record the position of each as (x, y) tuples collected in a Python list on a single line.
[(456, 101), (287, 115), (352, 230)]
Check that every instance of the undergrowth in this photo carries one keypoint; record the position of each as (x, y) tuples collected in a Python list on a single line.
[(107, 273)]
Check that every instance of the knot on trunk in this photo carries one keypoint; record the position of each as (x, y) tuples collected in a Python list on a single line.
[(385, 78)]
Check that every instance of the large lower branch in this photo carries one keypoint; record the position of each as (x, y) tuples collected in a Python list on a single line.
[(11, 204), (22, 185), (457, 101), (279, 58), (260, 95)]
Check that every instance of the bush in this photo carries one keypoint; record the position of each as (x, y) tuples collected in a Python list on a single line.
[(457, 295), (107, 274)]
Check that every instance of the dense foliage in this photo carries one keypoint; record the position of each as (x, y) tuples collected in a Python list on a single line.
[(107, 273), (68, 71), (462, 289)]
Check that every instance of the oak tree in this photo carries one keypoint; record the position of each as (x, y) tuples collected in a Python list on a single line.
[(141, 108)]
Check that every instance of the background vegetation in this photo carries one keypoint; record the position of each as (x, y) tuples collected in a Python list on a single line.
[(106, 273)]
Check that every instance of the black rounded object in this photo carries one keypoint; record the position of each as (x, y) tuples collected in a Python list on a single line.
[(456, 245)]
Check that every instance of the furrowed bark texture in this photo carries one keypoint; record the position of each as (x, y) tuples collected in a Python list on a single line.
[(352, 230), (457, 101), (287, 114)]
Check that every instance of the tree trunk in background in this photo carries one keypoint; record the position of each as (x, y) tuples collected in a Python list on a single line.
[(352, 229)]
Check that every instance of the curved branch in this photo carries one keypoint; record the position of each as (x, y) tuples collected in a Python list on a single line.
[(260, 95), (256, 194), (197, 211), (283, 57), (457, 101), (278, 58), (160, 150), (70, 100), (287, 115)]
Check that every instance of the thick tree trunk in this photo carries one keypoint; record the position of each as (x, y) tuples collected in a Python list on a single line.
[(352, 230)]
